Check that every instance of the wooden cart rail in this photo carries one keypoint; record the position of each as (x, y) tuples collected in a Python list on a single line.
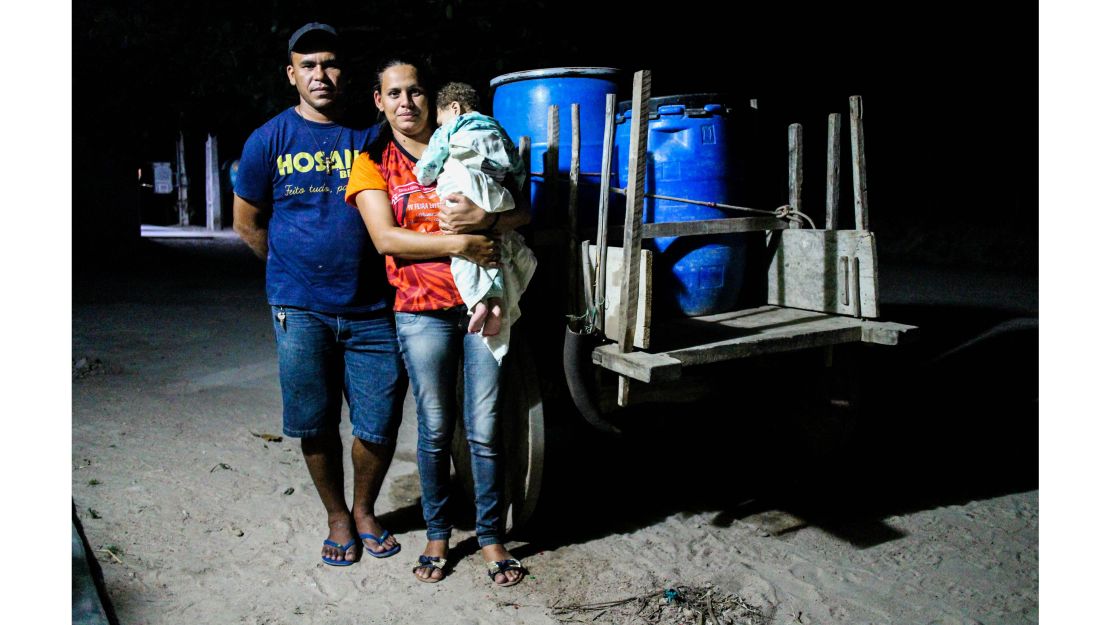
[(822, 284), (742, 334)]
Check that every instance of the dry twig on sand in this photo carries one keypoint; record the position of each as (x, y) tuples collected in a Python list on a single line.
[(681, 604), (113, 551)]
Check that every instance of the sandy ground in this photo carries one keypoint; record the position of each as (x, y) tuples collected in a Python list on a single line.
[(213, 524)]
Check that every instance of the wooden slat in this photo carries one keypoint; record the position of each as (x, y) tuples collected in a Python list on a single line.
[(633, 219), (586, 272), (711, 226), (829, 330), (603, 201), (859, 164), (551, 160), (573, 265), (794, 173), (818, 270), (575, 145), (887, 333), (642, 366), (747, 333), (832, 173), (611, 306)]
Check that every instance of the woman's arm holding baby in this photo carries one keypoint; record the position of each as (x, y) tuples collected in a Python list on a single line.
[(391, 239)]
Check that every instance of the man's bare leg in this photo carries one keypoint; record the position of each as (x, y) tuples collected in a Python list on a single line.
[(324, 457), (371, 461)]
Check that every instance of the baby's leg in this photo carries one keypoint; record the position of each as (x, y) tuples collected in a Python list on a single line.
[(493, 319), (478, 318)]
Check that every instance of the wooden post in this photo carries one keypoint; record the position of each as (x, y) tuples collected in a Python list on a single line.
[(832, 173), (794, 177), (603, 201), (575, 166), (551, 161), (524, 147), (858, 308), (859, 165), (573, 251), (633, 221), (587, 286)]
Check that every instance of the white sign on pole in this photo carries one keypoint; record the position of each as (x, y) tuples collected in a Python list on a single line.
[(163, 178)]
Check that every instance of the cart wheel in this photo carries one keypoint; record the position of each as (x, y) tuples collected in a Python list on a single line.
[(522, 440)]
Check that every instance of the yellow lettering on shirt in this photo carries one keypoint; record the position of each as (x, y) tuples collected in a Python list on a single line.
[(303, 162), (285, 165)]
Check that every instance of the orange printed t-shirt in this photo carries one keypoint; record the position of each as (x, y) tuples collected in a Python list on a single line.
[(422, 285)]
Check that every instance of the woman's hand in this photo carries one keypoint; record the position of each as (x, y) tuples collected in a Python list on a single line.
[(478, 249), (464, 216)]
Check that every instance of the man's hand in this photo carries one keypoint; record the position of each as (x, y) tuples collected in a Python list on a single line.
[(464, 216)]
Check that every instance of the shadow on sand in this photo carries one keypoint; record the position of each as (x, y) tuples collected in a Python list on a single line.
[(946, 420), (782, 443)]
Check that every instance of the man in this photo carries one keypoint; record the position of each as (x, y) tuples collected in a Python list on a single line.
[(325, 283)]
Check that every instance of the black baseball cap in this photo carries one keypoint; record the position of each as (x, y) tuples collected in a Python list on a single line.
[(317, 30)]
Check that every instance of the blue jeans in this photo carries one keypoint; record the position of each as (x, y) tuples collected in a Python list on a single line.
[(433, 343), (324, 357)]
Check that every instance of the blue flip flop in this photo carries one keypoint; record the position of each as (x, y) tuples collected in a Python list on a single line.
[(380, 541), (343, 548)]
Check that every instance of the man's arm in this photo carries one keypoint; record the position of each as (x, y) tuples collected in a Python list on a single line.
[(251, 224)]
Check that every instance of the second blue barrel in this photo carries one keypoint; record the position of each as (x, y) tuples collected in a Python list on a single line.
[(688, 157), (520, 104)]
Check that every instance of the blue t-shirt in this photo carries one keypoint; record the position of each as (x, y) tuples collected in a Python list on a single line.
[(321, 257)]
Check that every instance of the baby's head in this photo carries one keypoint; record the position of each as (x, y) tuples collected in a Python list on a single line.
[(454, 99)]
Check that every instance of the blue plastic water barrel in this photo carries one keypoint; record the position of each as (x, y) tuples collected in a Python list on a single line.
[(688, 158), (520, 104)]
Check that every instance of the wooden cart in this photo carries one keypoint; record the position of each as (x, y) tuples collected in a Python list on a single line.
[(822, 291)]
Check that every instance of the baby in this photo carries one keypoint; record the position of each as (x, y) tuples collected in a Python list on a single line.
[(470, 153)]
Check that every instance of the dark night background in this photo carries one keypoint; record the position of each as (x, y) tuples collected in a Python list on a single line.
[(950, 94)]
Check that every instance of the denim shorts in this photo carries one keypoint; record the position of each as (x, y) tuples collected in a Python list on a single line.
[(324, 357)]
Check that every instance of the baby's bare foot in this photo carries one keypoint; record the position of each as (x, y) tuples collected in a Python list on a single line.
[(493, 319), (478, 319)]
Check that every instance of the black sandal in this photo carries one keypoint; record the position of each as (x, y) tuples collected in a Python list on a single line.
[(504, 566), (433, 563)]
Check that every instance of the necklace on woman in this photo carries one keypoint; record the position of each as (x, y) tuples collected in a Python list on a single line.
[(328, 161)]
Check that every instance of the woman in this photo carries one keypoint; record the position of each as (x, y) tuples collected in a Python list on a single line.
[(405, 222)]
